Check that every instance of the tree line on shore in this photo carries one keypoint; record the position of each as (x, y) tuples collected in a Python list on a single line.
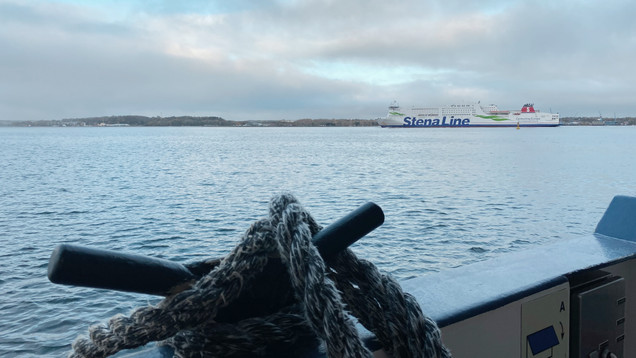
[(191, 121), (596, 121)]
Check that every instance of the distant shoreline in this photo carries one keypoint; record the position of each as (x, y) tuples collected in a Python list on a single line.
[(191, 121), (187, 121)]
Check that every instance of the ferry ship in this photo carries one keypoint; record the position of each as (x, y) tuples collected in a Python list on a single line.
[(467, 115)]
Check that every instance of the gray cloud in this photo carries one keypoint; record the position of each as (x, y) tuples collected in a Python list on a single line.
[(320, 59)]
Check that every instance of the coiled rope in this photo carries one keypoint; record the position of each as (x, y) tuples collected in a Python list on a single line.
[(186, 320)]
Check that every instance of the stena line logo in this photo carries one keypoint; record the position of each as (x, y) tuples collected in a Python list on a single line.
[(430, 122)]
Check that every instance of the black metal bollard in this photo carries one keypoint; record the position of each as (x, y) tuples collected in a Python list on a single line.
[(88, 267)]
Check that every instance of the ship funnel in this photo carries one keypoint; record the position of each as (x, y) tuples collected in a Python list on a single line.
[(528, 108)]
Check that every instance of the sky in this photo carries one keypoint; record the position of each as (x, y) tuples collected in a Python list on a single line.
[(293, 59)]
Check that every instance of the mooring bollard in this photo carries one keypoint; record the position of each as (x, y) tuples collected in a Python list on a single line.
[(98, 268)]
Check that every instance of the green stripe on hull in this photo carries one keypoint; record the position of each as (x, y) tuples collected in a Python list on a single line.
[(494, 118)]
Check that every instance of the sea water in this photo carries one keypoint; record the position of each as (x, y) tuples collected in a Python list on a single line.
[(450, 196)]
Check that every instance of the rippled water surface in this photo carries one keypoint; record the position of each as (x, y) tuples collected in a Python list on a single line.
[(450, 196)]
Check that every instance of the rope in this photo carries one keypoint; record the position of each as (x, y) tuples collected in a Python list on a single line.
[(186, 320)]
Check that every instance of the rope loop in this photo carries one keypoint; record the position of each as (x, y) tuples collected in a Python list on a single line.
[(322, 296)]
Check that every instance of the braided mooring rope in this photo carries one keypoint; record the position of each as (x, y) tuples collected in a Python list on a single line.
[(186, 322)]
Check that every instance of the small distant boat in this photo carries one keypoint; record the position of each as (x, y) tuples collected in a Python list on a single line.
[(467, 115)]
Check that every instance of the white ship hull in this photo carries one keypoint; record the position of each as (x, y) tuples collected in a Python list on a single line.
[(467, 115)]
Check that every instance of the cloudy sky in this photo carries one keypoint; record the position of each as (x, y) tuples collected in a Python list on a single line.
[(291, 59)]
